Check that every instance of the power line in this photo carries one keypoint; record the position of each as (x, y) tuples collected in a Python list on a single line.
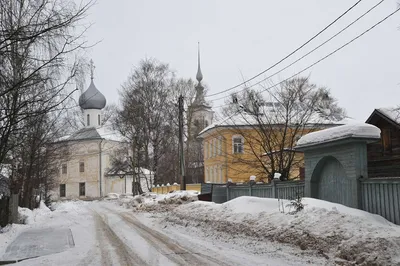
[(297, 49), (316, 48), (323, 58)]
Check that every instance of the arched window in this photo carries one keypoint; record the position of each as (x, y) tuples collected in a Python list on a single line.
[(88, 120), (98, 119)]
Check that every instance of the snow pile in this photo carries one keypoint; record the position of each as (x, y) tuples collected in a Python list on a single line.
[(27, 216), (341, 234), (111, 196), (159, 202), (353, 130)]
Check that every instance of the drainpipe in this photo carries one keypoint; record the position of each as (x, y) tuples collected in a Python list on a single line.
[(226, 157), (100, 166)]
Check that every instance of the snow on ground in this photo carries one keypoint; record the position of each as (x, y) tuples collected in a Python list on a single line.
[(340, 234), (156, 202), (243, 231), (69, 214)]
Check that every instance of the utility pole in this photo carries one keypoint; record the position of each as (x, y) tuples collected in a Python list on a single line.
[(181, 155)]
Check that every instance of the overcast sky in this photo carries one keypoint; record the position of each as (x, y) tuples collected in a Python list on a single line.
[(246, 37)]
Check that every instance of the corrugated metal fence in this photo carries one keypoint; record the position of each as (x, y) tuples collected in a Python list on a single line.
[(382, 196)]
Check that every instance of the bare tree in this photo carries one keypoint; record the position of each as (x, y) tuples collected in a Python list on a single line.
[(272, 125), (145, 116), (38, 43)]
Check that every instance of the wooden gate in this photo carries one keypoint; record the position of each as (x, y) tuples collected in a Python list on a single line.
[(331, 183)]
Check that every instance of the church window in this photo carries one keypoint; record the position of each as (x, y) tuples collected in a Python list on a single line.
[(64, 168), (98, 120), (88, 120), (82, 191), (62, 190), (81, 167)]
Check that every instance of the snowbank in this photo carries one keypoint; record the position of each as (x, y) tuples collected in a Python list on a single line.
[(152, 201), (354, 130), (337, 232), (27, 216)]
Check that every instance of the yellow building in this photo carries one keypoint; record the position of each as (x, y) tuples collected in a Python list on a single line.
[(234, 148)]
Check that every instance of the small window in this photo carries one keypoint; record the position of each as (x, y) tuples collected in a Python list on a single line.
[(237, 145), (220, 146), (98, 120), (64, 168), (62, 190), (88, 120), (386, 140), (206, 123), (81, 189), (81, 167)]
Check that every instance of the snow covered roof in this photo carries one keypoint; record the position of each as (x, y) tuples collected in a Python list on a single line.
[(242, 118), (89, 133), (352, 130), (390, 114), (125, 169)]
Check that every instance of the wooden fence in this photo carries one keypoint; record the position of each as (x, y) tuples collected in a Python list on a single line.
[(377, 195), (168, 188), (381, 196), (275, 189)]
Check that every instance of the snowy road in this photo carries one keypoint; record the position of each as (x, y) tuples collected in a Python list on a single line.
[(106, 234), (140, 241)]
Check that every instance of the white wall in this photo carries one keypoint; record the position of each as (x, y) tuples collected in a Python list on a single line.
[(93, 114), (89, 153)]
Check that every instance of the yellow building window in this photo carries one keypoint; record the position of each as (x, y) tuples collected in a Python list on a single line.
[(238, 143)]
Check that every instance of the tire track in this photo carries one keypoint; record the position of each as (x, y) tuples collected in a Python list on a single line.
[(107, 238), (167, 246)]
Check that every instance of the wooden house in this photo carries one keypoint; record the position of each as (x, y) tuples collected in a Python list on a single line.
[(384, 155)]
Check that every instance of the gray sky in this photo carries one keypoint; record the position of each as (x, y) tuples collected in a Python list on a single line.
[(246, 37)]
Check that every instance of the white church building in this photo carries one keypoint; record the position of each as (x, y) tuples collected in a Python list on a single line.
[(88, 154)]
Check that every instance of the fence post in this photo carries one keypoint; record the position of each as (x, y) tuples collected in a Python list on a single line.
[(359, 193), (250, 190), (274, 196), (228, 196)]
